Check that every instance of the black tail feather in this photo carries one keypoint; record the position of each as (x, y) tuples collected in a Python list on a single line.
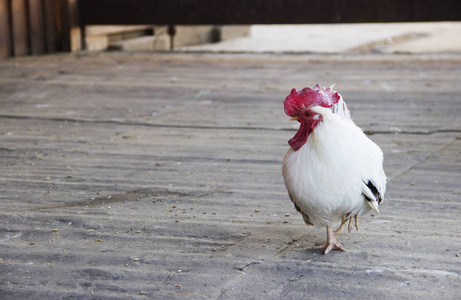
[(374, 191)]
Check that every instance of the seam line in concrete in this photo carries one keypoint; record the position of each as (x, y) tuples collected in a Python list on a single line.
[(142, 124)]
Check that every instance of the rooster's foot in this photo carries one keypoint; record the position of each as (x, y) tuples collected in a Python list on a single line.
[(332, 243)]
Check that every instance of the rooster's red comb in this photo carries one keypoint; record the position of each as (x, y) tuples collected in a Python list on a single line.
[(297, 101)]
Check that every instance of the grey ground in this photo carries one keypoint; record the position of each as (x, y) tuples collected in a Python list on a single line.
[(137, 176)]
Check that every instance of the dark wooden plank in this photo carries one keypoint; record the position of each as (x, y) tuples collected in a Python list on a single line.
[(50, 25), (265, 11), (20, 27), (61, 17), (37, 27), (6, 48)]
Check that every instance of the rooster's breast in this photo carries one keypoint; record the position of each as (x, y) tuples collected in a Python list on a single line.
[(324, 177)]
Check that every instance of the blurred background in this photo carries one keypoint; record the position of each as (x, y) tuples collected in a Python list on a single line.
[(33, 27)]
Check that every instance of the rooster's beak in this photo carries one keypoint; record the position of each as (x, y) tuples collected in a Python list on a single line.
[(294, 119)]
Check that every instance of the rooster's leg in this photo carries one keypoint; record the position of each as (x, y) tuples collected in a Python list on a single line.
[(332, 243), (349, 226), (343, 222)]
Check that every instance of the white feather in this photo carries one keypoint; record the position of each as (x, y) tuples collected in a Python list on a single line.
[(325, 177), (341, 109)]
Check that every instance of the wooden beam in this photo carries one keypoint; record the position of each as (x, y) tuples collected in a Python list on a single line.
[(69, 38), (62, 25), (37, 26), (6, 47), (20, 27), (195, 12), (51, 33), (74, 26)]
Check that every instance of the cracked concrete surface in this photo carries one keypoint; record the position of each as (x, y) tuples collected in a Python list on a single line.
[(134, 176)]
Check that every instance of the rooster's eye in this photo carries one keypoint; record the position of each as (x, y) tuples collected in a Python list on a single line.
[(307, 114)]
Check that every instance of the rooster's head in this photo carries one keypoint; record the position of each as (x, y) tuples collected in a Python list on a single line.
[(298, 105)]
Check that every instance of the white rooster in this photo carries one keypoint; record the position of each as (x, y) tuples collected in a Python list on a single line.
[(333, 171)]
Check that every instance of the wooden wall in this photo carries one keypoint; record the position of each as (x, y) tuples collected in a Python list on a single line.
[(33, 27)]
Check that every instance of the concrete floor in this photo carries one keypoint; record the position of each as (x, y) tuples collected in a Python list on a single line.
[(157, 176), (428, 37)]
